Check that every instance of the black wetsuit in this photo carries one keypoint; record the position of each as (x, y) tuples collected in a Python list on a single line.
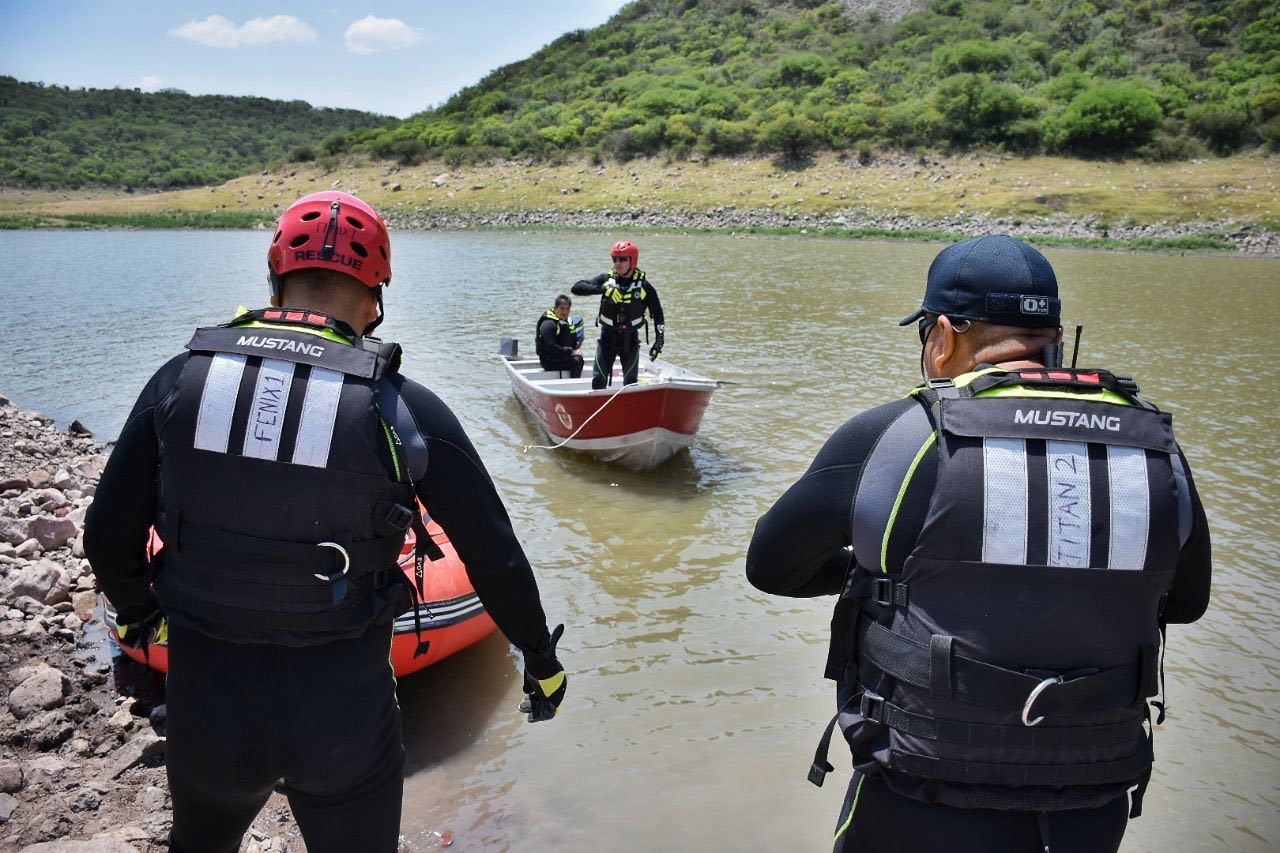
[(800, 549), (619, 332), (323, 717)]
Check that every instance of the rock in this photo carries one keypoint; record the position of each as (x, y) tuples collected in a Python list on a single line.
[(46, 731), (84, 601), (106, 843), (77, 428), (150, 799), (136, 751), (15, 531), (13, 483), (53, 533), (85, 801), (27, 606), (44, 769), (10, 777), (49, 499), (44, 689), (7, 805), (29, 548), (44, 581), (122, 719), (39, 478)]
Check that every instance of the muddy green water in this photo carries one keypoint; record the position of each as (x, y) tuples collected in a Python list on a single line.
[(695, 702)]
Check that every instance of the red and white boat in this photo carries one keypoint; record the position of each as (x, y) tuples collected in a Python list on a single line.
[(451, 614), (639, 426)]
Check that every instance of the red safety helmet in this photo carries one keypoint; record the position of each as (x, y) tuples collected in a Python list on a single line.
[(334, 231), (627, 248)]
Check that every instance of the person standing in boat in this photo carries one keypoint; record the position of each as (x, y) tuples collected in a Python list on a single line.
[(1008, 543), (281, 459), (558, 339), (625, 294)]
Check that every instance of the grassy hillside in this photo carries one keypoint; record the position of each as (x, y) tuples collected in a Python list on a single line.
[(1159, 79), (1119, 204), (53, 136)]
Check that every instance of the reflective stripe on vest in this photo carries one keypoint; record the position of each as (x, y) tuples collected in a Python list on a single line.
[(264, 430), (1062, 487)]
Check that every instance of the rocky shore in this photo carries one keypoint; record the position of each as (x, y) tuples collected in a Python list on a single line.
[(81, 732), (1248, 240)]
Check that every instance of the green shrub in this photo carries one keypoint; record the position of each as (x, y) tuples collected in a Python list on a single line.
[(1110, 118), (1223, 126), (793, 136), (972, 57)]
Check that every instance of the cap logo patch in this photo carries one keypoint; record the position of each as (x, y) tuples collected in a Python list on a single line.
[(1035, 305)]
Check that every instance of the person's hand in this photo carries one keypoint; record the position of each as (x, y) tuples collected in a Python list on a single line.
[(658, 341), (544, 680), (151, 629)]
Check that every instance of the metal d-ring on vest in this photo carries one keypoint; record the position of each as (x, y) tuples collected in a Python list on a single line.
[(346, 564), (1031, 700)]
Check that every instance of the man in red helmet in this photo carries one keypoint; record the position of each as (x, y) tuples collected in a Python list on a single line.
[(625, 294), (281, 458)]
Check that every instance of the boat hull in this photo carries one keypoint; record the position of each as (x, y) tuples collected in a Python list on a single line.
[(451, 614), (639, 426)]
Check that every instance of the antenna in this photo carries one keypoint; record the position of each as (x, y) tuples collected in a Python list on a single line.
[(1075, 350)]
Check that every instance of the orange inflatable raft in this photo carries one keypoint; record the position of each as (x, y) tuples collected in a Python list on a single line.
[(451, 613)]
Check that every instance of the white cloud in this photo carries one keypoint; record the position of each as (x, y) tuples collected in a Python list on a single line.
[(150, 83), (217, 31), (375, 35)]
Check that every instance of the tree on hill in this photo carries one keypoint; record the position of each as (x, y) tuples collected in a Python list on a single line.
[(60, 137)]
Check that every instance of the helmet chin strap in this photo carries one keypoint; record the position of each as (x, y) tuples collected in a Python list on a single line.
[(368, 330)]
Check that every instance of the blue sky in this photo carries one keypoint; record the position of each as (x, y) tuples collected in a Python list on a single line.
[(386, 56)]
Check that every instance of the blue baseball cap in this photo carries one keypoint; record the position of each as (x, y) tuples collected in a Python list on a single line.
[(995, 279)]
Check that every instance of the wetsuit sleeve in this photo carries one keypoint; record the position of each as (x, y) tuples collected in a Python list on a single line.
[(118, 523), (800, 546), (463, 500), (653, 303), (1189, 595), (589, 287)]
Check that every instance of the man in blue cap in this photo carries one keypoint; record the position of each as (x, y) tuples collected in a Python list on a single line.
[(1008, 543)]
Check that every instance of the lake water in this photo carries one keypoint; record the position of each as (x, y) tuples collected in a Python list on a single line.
[(695, 702)]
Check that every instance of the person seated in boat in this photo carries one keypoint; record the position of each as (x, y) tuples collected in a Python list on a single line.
[(626, 293), (281, 458), (558, 341)]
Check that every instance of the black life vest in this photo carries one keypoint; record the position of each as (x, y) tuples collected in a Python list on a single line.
[(280, 520), (1009, 664), (622, 304), (566, 334)]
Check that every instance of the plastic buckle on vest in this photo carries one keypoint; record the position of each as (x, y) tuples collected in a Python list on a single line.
[(945, 388), (399, 517), (1033, 696), (886, 593), (871, 707)]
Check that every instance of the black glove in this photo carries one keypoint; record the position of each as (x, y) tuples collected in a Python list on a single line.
[(658, 341), (150, 629), (544, 680)]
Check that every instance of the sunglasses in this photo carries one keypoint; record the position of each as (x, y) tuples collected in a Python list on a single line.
[(617, 258), (925, 324)]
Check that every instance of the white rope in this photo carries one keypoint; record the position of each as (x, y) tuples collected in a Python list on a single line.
[(527, 447)]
